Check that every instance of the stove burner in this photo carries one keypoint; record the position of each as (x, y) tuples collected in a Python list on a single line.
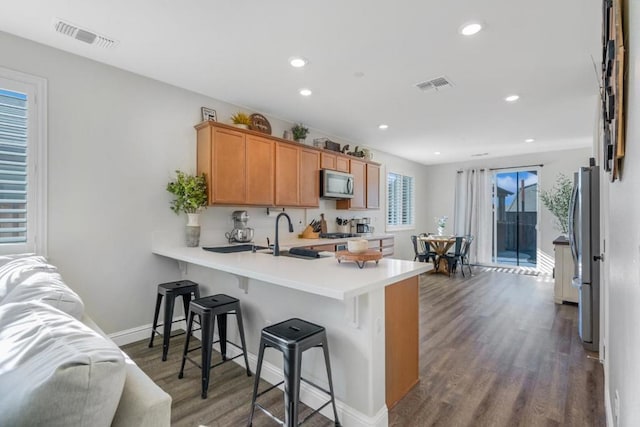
[(336, 235)]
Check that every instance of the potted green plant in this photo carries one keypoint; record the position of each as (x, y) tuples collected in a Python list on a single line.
[(190, 193), (557, 200), (241, 120), (299, 132)]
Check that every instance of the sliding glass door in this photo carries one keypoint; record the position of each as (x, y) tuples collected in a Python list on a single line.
[(515, 218)]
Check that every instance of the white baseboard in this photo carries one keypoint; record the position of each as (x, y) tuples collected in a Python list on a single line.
[(131, 335), (607, 407), (142, 333), (310, 396)]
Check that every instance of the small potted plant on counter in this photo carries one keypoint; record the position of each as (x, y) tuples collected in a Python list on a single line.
[(190, 193), (241, 120), (299, 132)]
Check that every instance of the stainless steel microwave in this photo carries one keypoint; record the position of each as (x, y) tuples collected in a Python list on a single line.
[(336, 185)]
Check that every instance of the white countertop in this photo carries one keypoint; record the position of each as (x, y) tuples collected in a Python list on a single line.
[(324, 276)]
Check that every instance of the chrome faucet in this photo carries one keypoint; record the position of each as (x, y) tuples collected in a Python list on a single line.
[(276, 246)]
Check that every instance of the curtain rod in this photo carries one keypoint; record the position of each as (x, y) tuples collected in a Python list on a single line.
[(510, 167), (516, 167), (462, 170)]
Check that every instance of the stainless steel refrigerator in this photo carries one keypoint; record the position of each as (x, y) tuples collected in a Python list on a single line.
[(584, 238)]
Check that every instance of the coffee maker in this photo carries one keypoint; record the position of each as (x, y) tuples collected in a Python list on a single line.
[(240, 233), (361, 226)]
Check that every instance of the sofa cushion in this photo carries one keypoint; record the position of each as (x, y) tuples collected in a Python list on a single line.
[(6, 258), (54, 370), (47, 287), (18, 270)]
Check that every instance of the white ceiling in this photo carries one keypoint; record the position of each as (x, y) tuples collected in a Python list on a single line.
[(238, 51)]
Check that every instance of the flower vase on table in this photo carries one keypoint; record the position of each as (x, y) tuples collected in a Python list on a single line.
[(441, 223)]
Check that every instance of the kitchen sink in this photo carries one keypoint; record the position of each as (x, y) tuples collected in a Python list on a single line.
[(286, 253), (233, 248)]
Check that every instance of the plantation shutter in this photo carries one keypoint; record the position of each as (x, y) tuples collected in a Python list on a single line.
[(407, 200), (401, 199), (13, 167)]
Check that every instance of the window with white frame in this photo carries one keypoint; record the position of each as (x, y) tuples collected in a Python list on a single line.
[(22, 163), (400, 202)]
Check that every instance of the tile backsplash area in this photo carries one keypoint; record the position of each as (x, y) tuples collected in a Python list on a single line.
[(216, 221)]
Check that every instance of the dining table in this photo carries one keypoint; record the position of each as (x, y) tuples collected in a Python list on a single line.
[(440, 245)]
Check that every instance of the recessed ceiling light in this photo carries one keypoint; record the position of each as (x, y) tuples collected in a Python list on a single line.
[(383, 126), (529, 140), (305, 92), (470, 28), (512, 98), (437, 153), (298, 62)]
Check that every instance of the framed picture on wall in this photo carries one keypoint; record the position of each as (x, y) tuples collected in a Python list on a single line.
[(208, 115)]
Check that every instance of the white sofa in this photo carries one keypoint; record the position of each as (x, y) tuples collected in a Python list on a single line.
[(57, 368)]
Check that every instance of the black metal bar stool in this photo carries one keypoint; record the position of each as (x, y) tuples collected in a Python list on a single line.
[(210, 308), (292, 337), (171, 290)]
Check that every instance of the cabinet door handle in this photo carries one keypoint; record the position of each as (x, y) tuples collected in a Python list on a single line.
[(598, 257)]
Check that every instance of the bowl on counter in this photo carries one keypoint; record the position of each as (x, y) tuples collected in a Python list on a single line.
[(357, 246)]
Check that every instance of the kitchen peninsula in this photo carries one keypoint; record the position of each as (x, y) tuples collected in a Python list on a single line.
[(370, 314)]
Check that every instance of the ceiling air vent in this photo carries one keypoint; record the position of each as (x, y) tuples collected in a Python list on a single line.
[(438, 83), (83, 34)]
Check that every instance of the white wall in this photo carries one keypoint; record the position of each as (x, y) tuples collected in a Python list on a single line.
[(441, 184), (115, 139), (623, 249)]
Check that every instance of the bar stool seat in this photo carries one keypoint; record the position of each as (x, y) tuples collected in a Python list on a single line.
[(209, 309), (172, 290), (292, 337)]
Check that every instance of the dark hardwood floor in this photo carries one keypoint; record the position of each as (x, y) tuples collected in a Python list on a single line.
[(495, 351)]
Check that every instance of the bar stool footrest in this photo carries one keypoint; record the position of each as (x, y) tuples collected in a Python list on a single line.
[(269, 414)]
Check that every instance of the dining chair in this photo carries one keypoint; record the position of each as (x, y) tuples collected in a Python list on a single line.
[(456, 256), (464, 258), (425, 247), (421, 254)]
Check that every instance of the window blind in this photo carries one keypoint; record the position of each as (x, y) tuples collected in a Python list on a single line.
[(13, 167), (401, 200)]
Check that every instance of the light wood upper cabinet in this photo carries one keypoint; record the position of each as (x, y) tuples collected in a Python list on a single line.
[(309, 178), (342, 164), (373, 186), (221, 156), (328, 161), (358, 169), (244, 167), (334, 162), (366, 186), (287, 174), (260, 174), (297, 176)]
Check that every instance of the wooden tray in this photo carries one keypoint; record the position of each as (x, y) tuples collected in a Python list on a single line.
[(359, 258)]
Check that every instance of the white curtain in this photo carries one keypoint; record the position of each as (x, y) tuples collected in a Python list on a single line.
[(472, 212)]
